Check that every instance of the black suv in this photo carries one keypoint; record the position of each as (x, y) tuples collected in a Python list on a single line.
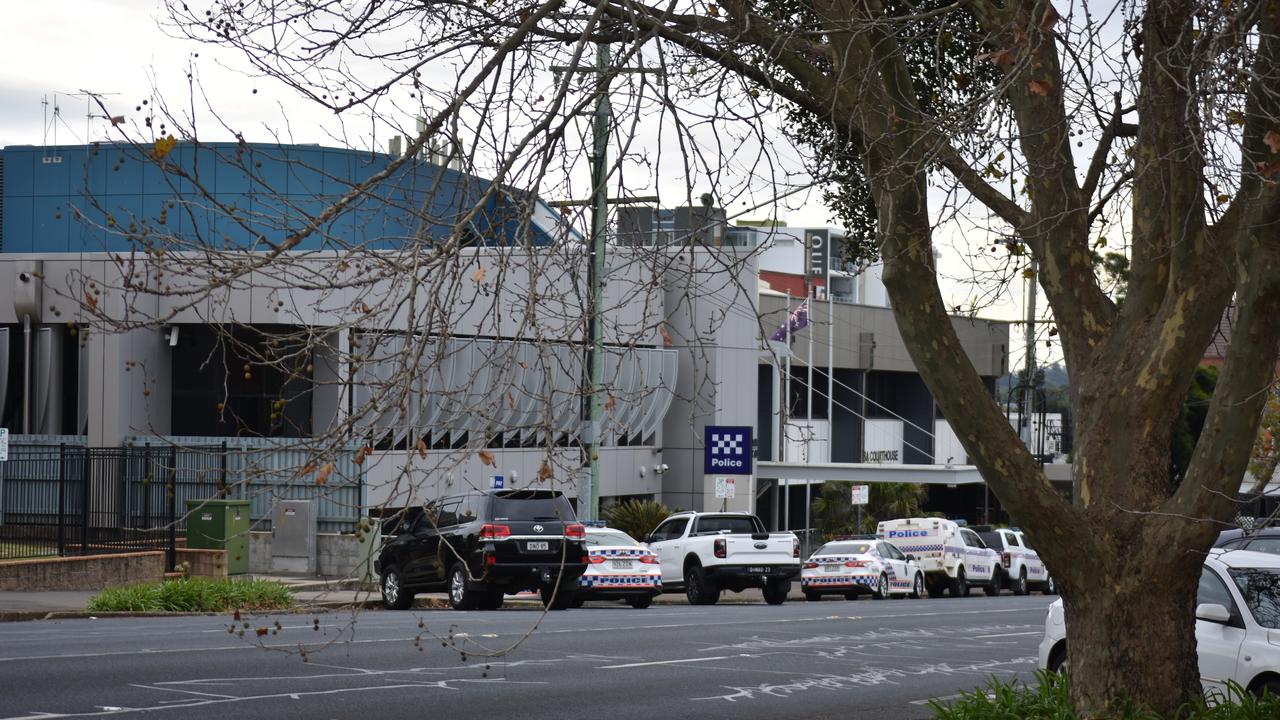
[(481, 545)]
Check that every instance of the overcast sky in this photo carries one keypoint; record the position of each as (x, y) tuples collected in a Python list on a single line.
[(55, 49)]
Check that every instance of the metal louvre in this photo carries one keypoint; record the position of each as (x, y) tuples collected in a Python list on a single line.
[(505, 391)]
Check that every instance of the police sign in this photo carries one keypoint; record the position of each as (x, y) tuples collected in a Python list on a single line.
[(727, 450)]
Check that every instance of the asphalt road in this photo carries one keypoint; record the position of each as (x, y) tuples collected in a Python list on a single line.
[(833, 659)]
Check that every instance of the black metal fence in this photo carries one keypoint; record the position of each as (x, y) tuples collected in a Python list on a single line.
[(68, 500)]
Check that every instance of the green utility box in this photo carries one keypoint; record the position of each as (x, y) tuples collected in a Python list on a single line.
[(221, 525)]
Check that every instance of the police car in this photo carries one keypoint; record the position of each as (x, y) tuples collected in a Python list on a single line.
[(861, 566), (618, 568), (953, 558), (1021, 569)]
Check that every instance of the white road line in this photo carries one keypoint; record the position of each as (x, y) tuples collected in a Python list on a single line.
[(664, 662), (984, 637)]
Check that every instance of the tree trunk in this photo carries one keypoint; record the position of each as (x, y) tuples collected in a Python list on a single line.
[(1128, 640)]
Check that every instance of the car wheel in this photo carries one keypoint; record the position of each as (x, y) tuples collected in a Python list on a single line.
[(461, 595), (936, 588), (563, 598), (882, 588), (812, 596), (394, 596), (1270, 686), (696, 587), (917, 587), (640, 602), (776, 591), (993, 586), (960, 585), (1058, 660), (851, 596), (1050, 587), (1021, 588), (578, 601)]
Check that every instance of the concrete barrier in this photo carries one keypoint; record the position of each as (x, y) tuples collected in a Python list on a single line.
[(88, 572)]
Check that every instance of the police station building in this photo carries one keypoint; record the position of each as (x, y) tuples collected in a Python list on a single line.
[(700, 413)]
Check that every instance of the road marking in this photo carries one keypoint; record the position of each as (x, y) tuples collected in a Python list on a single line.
[(984, 637), (666, 662)]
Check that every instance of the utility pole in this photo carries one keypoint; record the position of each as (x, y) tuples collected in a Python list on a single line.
[(592, 407), (1028, 386)]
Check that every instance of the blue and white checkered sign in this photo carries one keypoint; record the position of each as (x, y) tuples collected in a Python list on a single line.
[(727, 450)]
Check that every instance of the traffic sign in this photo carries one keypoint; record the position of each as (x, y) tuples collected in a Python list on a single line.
[(4, 444), (499, 482), (861, 494), (726, 487)]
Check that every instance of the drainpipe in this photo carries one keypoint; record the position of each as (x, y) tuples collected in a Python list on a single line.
[(26, 374)]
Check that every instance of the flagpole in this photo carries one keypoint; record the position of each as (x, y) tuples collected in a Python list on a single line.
[(808, 410), (786, 411)]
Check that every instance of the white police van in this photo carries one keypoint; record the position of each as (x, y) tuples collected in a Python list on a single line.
[(953, 558)]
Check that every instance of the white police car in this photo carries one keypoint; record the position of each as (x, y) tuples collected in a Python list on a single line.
[(1237, 624), (618, 568), (853, 567)]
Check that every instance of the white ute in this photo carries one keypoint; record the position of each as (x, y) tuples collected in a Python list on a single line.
[(952, 557), (706, 553)]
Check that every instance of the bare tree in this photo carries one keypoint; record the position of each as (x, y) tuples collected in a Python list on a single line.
[(1152, 129)]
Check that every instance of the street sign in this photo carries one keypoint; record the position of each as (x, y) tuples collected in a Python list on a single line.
[(726, 487), (4, 444), (861, 494), (727, 450), (499, 482)]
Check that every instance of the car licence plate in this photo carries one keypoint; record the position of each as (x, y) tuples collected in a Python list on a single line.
[(621, 564), (537, 545), (830, 568), (757, 569)]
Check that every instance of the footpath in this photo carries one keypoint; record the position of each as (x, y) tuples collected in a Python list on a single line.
[(312, 594)]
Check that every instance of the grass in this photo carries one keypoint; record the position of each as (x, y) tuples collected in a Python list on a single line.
[(1047, 699), (194, 595)]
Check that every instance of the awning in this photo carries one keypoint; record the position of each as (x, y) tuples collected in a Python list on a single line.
[(869, 473)]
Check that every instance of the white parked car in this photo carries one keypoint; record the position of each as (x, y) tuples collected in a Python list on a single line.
[(618, 568), (853, 567), (1021, 569), (704, 554), (1237, 624), (953, 558)]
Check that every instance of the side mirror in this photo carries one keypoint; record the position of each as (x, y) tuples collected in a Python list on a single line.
[(647, 539), (911, 558), (1213, 612)]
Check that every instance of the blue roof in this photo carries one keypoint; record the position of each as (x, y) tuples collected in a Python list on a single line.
[(113, 197)]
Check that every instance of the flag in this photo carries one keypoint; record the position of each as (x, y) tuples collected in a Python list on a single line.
[(798, 320)]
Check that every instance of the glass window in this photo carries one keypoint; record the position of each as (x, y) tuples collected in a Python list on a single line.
[(971, 538), (891, 551), (1261, 591), (467, 512), (1266, 545), (671, 529), (1025, 542), (992, 539), (715, 524), (609, 537), (532, 505), (1213, 591), (1012, 539), (844, 548)]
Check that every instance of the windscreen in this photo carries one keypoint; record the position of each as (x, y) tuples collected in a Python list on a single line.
[(531, 505), (1261, 590), (737, 524), (610, 538), (844, 548)]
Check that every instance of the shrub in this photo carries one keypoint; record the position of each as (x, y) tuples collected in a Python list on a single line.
[(194, 595), (636, 518), (1047, 699)]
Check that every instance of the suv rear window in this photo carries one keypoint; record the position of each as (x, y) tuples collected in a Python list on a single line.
[(531, 505), (725, 523), (992, 539)]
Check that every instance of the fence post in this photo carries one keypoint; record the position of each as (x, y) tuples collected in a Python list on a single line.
[(172, 555), (62, 500), (85, 503), (222, 479)]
